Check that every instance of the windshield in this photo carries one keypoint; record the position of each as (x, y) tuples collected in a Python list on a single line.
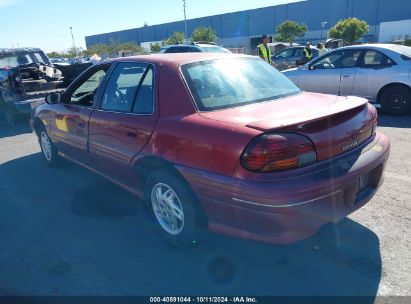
[(13, 61), (227, 83)]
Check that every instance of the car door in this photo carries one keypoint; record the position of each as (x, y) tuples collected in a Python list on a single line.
[(69, 128), (322, 76), (349, 65), (325, 74), (125, 119), (374, 71)]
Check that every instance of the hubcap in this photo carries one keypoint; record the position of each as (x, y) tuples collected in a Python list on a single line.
[(397, 102), (45, 145), (167, 209)]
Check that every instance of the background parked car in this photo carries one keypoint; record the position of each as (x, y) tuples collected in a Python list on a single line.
[(196, 47), (26, 77), (291, 57), (380, 73)]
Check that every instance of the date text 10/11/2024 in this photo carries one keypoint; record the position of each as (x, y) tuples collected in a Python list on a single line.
[(203, 300)]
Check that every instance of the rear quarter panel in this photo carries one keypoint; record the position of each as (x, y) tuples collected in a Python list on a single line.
[(370, 81)]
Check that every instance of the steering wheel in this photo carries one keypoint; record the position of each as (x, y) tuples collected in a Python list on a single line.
[(327, 65)]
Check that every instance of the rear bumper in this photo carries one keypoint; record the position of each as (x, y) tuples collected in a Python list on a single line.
[(281, 209)]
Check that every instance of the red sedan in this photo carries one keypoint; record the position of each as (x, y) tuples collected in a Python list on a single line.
[(220, 141)]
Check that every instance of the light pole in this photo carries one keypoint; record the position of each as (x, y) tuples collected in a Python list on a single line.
[(323, 24), (72, 38), (185, 19)]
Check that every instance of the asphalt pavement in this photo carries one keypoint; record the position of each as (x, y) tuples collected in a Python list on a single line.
[(66, 231)]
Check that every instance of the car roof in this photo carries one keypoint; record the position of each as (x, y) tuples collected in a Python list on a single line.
[(196, 44), (179, 45), (180, 58), (16, 51), (392, 47)]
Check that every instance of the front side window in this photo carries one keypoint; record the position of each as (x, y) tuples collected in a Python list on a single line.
[(338, 60), (85, 93), (299, 53), (228, 83), (285, 54), (130, 89)]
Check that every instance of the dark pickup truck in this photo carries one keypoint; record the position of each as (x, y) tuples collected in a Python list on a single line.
[(26, 77)]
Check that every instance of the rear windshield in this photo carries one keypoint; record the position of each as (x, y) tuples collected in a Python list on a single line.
[(404, 50), (233, 82), (214, 49), (13, 61)]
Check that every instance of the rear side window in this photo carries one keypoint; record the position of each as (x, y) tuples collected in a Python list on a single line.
[(374, 58), (130, 89), (144, 103)]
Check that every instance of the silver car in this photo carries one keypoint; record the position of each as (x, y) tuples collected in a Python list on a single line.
[(379, 72)]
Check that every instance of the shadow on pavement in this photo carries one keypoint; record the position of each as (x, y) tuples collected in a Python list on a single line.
[(21, 127), (70, 232), (394, 121)]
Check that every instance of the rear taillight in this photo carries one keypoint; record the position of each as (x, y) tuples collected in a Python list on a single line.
[(278, 152), (374, 118)]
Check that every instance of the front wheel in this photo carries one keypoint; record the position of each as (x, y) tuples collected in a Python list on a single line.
[(48, 149), (174, 208), (396, 100)]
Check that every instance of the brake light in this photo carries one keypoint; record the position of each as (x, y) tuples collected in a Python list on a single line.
[(278, 152), (374, 118)]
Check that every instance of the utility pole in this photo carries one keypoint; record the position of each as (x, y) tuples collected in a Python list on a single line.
[(72, 38), (323, 24), (185, 19)]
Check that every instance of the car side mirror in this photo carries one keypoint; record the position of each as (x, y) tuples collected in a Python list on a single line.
[(53, 98)]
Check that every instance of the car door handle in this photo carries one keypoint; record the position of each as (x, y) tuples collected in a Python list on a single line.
[(346, 75), (130, 132)]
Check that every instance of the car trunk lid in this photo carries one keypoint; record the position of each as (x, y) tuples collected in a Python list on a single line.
[(334, 124)]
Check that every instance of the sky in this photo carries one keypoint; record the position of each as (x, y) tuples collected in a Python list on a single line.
[(46, 23)]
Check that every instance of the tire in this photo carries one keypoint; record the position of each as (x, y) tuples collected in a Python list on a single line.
[(48, 149), (396, 100), (174, 208)]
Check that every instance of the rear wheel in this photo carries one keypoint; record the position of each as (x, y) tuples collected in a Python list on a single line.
[(174, 208), (48, 149), (396, 100)]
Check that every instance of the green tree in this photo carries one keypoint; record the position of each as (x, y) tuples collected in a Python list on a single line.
[(175, 38), (350, 30), (74, 52), (407, 41), (289, 30), (113, 49), (204, 34), (56, 54), (155, 48)]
